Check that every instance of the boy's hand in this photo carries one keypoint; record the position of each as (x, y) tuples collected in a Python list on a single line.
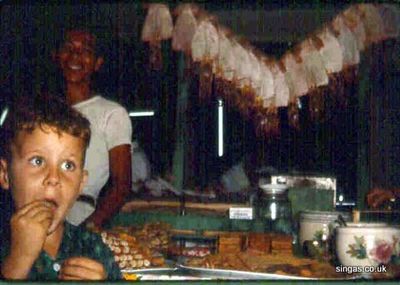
[(29, 227), (82, 268)]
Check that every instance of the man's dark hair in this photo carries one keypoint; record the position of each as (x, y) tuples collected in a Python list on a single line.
[(27, 114), (100, 48)]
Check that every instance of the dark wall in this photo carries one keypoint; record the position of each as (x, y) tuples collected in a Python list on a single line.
[(29, 34)]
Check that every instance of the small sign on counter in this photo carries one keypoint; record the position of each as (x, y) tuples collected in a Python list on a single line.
[(237, 213)]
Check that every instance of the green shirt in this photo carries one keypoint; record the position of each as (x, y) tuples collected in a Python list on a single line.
[(77, 241)]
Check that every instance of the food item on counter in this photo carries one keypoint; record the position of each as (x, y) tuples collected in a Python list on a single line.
[(220, 261), (281, 243), (259, 242), (230, 243), (127, 253), (157, 261), (130, 276), (138, 248), (282, 263), (194, 251), (155, 234), (233, 242), (190, 244)]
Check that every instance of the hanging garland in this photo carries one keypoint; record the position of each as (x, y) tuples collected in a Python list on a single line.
[(256, 84)]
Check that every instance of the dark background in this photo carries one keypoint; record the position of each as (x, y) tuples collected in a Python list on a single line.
[(358, 142)]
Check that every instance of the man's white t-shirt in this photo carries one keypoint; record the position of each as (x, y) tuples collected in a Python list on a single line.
[(110, 126)]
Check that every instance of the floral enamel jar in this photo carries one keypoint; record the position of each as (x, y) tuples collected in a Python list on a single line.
[(366, 244), (315, 231)]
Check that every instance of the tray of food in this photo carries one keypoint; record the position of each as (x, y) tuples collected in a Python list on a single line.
[(266, 266), (227, 274), (182, 272), (138, 248), (171, 274)]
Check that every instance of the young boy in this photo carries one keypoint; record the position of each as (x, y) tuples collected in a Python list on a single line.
[(42, 154)]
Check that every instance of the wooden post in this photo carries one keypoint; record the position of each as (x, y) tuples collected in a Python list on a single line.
[(178, 162), (363, 136)]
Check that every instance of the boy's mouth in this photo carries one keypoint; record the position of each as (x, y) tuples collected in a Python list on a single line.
[(52, 204)]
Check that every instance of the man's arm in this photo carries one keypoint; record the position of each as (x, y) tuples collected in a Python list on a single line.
[(377, 196), (120, 186)]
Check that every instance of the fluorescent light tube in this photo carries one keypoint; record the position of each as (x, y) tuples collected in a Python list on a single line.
[(141, 114)]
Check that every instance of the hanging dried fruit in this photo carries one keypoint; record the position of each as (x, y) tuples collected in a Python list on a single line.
[(185, 28), (316, 75), (243, 70), (267, 93), (224, 65), (296, 73), (374, 28), (157, 27), (297, 83), (205, 46), (352, 19), (331, 52), (281, 89), (347, 42)]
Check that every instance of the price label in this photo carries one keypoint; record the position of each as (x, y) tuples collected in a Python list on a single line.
[(241, 213)]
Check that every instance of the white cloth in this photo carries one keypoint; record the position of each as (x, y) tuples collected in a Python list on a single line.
[(110, 126), (235, 179), (79, 212), (141, 168)]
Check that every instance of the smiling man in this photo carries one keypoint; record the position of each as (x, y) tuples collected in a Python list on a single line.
[(108, 155)]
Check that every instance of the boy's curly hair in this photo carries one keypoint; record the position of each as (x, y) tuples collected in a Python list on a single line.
[(43, 110)]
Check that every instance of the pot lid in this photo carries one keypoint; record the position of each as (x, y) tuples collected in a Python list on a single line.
[(324, 215), (274, 188)]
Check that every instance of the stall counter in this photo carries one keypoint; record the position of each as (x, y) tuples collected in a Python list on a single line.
[(209, 282)]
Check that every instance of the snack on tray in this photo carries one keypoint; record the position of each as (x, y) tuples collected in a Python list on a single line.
[(156, 235), (230, 243), (281, 243), (138, 248), (127, 254), (130, 277), (260, 242), (282, 263), (194, 251)]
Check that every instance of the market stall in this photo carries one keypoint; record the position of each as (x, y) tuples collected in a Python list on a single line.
[(251, 221), (284, 229)]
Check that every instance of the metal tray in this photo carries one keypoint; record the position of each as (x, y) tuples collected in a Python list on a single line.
[(171, 274), (237, 274), (182, 272)]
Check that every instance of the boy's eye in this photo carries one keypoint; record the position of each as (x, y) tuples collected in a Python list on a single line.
[(36, 161), (68, 165)]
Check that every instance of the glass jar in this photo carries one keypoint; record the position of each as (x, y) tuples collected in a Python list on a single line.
[(275, 208)]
